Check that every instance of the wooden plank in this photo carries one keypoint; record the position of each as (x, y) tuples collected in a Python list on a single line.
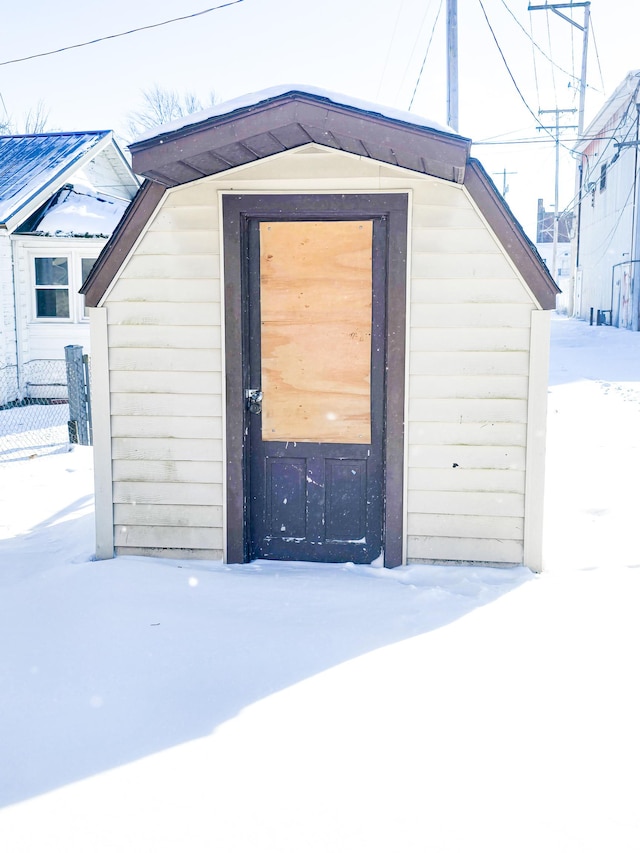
[(316, 303), (172, 290), (460, 479), (469, 363), (468, 411), (504, 435), (166, 405), (460, 291), (466, 503), (203, 494), (133, 536), (166, 382), (465, 526), (466, 456), (167, 515), (187, 449), (512, 315), (474, 387), (442, 548), (164, 313), (166, 471), (470, 340), (136, 426), (153, 359), (173, 267)]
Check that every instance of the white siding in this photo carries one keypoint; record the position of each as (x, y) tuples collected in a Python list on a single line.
[(469, 321)]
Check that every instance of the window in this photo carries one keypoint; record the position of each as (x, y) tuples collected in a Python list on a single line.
[(57, 280), (603, 177), (52, 287)]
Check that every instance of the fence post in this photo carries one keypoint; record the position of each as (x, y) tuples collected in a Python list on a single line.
[(78, 419)]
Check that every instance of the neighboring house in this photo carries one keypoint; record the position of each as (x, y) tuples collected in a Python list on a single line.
[(61, 196), (318, 334), (608, 263), (544, 244)]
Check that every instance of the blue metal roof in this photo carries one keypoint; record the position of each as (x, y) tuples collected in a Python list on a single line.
[(28, 164)]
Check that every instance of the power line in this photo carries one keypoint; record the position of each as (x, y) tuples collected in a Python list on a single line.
[(426, 53), (513, 80), (535, 43), (119, 35)]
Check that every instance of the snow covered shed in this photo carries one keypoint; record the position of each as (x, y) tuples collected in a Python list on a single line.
[(318, 334)]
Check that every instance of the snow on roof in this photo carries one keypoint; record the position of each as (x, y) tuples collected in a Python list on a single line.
[(255, 98), (75, 211), (29, 163)]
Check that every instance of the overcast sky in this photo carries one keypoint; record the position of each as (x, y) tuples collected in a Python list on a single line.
[(370, 49)]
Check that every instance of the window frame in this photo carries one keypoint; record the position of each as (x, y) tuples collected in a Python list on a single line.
[(74, 258)]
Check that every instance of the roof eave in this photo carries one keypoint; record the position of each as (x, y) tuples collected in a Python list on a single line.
[(511, 235)]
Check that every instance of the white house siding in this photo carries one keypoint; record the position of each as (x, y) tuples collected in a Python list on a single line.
[(469, 320), (8, 387)]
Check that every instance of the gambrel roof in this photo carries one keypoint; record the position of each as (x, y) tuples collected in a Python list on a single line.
[(277, 120), (33, 167)]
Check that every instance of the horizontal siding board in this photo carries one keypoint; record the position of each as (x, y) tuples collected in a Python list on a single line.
[(470, 340), (130, 426), (213, 554), (466, 456), (202, 242), (474, 387), (460, 290), (180, 449), (164, 313), (505, 435), (432, 192), (468, 410), (467, 550), (166, 471), (154, 359), (461, 479), (168, 537), (440, 216), (469, 363), (201, 494), (466, 503), (186, 218), (173, 266), (193, 195), (462, 265), (173, 337), (479, 315), (166, 382), (166, 405), (181, 290), (465, 526), (167, 515), (452, 241)]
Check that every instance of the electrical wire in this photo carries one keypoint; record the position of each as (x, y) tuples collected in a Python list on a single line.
[(413, 49), (119, 35), (553, 71), (534, 43), (392, 39), (426, 53), (533, 55), (595, 47), (513, 80)]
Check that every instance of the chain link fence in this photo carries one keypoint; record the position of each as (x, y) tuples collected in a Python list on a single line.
[(34, 409)]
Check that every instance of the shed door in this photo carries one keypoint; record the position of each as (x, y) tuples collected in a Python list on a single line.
[(315, 394)]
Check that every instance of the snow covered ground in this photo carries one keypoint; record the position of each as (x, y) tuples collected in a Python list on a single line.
[(172, 706)]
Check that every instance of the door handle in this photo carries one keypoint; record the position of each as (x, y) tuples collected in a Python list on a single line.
[(253, 397)]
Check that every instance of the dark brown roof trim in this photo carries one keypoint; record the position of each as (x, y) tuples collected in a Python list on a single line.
[(121, 242), (510, 233), (287, 121)]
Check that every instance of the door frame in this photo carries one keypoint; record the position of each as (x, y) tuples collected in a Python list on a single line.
[(237, 210)]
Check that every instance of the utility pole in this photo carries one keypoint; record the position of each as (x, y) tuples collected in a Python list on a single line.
[(584, 27), (556, 214), (505, 185), (452, 64)]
